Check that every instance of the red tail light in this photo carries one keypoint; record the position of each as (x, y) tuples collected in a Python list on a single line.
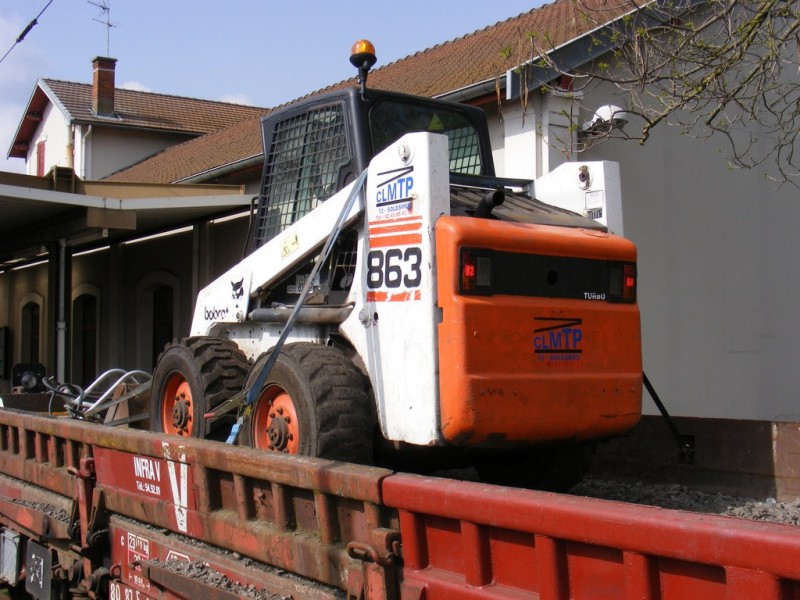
[(476, 271), (622, 282), (629, 283), (468, 271)]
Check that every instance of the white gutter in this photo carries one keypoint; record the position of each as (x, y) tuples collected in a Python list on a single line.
[(221, 170), (488, 86)]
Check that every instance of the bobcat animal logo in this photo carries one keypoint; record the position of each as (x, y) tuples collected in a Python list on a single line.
[(237, 289)]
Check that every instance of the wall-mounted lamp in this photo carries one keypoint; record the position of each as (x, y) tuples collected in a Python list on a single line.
[(605, 119)]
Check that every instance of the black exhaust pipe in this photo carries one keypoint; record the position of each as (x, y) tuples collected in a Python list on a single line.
[(488, 203)]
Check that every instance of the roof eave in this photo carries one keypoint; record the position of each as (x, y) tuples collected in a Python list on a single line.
[(471, 91), (50, 96), (571, 54), (578, 51), (118, 125), (224, 169)]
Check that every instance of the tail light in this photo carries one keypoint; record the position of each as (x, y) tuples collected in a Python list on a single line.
[(468, 271), (622, 282), (476, 272)]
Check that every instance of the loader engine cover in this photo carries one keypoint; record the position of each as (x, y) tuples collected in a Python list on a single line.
[(540, 336)]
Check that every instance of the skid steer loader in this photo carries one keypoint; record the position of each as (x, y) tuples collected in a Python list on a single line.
[(396, 291)]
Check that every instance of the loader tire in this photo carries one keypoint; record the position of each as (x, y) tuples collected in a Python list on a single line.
[(192, 376), (313, 403)]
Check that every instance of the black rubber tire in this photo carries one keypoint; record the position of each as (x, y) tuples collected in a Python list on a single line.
[(330, 400), (555, 468), (214, 370)]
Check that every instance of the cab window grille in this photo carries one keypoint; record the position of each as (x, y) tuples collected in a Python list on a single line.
[(391, 119), (306, 154), (464, 153)]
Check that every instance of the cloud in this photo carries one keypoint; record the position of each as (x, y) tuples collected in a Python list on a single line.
[(136, 86), (237, 99)]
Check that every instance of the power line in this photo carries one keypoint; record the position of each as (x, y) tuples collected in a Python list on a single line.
[(26, 31)]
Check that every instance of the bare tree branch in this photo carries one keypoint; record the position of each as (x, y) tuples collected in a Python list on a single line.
[(722, 68)]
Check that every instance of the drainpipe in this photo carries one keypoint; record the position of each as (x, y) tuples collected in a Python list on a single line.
[(86, 160), (61, 324), (71, 146)]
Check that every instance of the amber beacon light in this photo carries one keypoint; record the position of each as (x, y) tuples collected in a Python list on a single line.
[(362, 57)]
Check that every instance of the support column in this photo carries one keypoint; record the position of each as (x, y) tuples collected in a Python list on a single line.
[(59, 284)]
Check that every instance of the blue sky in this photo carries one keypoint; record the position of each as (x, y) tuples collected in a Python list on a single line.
[(259, 52)]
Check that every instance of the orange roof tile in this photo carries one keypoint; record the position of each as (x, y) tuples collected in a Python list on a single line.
[(471, 59), (149, 110)]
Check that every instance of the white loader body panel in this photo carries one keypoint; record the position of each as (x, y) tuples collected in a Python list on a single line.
[(394, 325), (592, 189), (226, 299)]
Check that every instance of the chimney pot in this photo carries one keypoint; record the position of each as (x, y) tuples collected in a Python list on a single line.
[(103, 85)]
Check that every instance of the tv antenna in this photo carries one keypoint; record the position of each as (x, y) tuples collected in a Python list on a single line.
[(105, 19)]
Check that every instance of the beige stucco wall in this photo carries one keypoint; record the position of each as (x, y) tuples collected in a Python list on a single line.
[(109, 150), (95, 151), (55, 133)]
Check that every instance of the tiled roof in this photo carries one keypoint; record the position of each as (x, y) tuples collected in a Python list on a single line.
[(151, 111), (460, 63)]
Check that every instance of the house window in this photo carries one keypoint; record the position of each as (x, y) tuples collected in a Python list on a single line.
[(84, 339), (30, 333), (40, 159)]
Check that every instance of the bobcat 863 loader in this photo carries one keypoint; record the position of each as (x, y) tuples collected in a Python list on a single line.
[(397, 295)]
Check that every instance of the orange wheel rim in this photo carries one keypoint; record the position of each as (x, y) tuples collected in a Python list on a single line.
[(177, 406), (275, 425)]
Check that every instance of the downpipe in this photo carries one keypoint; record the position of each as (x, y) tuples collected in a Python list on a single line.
[(61, 324)]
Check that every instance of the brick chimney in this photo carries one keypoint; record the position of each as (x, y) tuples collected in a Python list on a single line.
[(103, 85)]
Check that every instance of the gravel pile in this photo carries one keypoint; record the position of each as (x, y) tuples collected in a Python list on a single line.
[(59, 514), (680, 497), (200, 571)]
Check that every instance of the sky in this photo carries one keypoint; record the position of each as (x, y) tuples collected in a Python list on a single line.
[(258, 52)]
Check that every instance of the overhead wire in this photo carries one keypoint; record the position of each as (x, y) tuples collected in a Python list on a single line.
[(26, 31)]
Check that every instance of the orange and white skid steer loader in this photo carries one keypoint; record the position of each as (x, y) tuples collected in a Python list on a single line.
[(396, 290)]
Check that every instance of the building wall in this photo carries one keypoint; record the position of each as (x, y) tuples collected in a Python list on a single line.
[(109, 150), (123, 281), (93, 151), (718, 278), (18, 288), (718, 275), (54, 131)]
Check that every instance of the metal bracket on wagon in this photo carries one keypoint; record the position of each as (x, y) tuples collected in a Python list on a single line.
[(383, 549)]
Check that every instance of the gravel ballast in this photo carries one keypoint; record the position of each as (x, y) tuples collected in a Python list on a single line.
[(680, 497)]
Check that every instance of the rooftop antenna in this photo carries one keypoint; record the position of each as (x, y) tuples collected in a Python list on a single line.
[(105, 11)]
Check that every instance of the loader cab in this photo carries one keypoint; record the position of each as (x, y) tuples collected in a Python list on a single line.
[(316, 147)]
